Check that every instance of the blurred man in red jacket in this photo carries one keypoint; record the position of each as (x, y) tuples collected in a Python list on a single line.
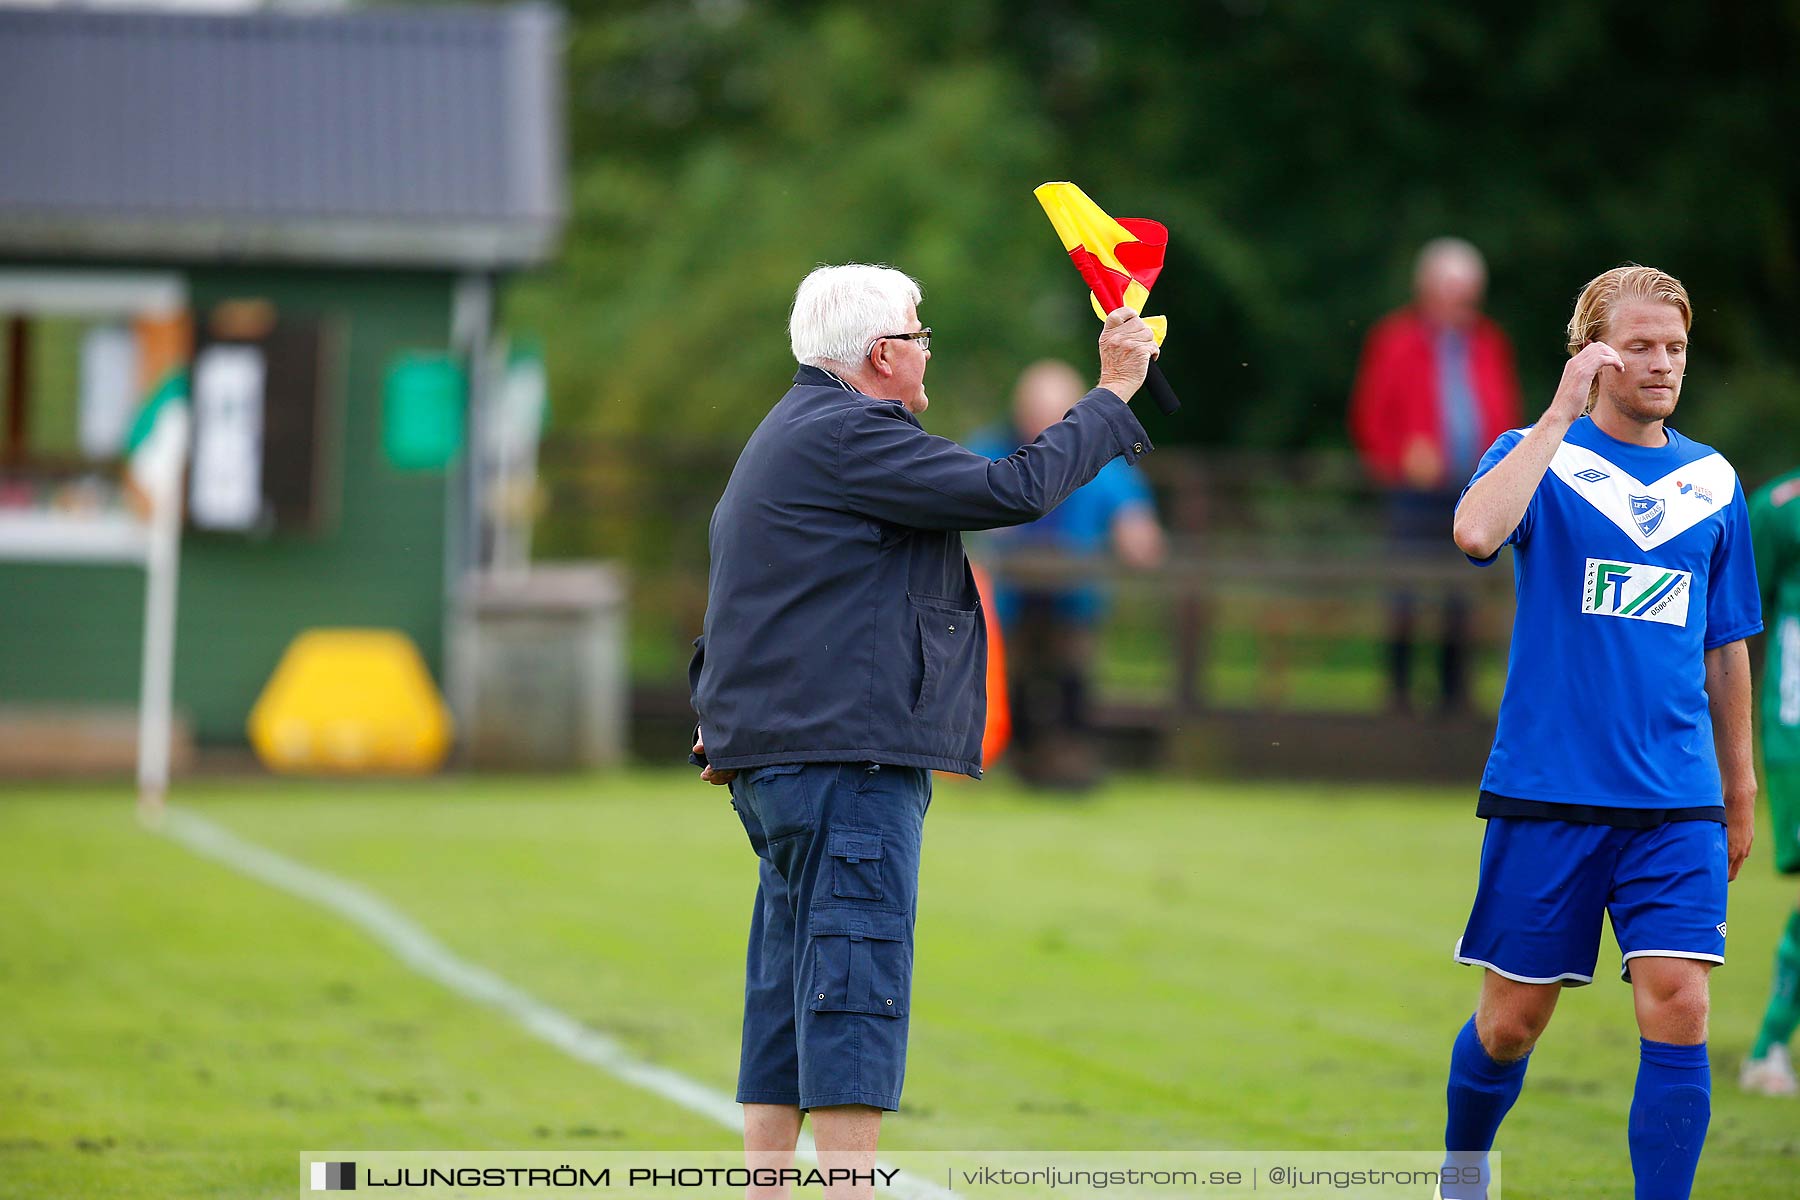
[(1435, 387)]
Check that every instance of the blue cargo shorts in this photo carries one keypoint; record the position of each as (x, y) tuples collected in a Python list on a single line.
[(829, 971)]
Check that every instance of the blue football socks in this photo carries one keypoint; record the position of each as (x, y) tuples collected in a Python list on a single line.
[(1669, 1114), (1480, 1094)]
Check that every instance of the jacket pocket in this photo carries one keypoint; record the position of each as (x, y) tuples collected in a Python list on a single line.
[(948, 656), (855, 863), (862, 962)]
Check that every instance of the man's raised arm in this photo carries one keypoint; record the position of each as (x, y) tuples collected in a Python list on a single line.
[(892, 470), (1495, 504)]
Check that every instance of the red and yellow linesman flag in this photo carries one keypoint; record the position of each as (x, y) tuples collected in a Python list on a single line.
[(1119, 258)]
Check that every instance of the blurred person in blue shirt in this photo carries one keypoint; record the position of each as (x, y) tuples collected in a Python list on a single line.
[(1052, 629)]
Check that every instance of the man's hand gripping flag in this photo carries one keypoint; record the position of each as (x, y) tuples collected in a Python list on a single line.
[(1120, 260)]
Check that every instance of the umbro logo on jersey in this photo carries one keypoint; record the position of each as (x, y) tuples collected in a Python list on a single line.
[(1636, 592), (1648, 512), (1591, 475), (1721, 928)]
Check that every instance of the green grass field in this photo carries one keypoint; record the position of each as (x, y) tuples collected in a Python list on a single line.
[(1168, 965)]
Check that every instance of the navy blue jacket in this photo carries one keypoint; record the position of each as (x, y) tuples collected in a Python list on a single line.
[(842, 622)]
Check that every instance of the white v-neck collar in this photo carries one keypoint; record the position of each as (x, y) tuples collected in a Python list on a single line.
[(1666, 507)]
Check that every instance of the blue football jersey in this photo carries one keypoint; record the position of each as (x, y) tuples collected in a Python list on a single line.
[(1628, 564)]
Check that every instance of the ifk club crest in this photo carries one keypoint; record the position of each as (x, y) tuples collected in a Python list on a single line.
[(1648, 512)]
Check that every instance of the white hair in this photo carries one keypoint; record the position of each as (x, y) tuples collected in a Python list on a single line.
[(840, 311), (1457, 253)]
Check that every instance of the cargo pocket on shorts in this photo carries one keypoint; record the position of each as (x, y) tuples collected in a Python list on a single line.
[(774, 771), (783, 798), (855, 863), (862, 962)]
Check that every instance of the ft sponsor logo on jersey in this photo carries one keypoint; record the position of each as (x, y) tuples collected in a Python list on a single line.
[(1687, 488), (1636, 592)]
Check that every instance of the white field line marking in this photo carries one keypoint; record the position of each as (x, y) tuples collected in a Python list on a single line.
[(418, 949)]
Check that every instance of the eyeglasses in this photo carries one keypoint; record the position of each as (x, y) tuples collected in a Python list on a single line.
[(923, 337)]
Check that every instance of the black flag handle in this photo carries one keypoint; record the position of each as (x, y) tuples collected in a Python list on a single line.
[(1160, 391)]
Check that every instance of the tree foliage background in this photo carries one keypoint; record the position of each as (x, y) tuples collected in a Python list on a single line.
[(1299, 150)]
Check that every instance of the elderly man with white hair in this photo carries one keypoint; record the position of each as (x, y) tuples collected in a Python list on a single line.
[(842, 661), (1435, 386)]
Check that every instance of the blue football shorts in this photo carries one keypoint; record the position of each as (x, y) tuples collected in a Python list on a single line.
[(828, 975), (1546, 883)]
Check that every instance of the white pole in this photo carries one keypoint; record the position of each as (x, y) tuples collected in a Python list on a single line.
[(471, 330), (471, 337), (162, 573)]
